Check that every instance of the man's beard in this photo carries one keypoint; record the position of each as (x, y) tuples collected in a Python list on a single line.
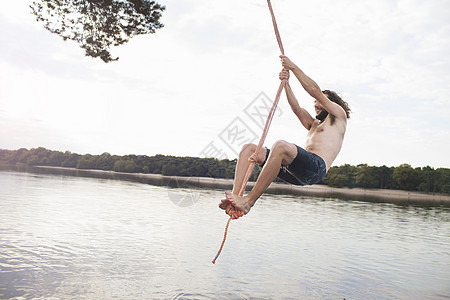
[(322, 115)]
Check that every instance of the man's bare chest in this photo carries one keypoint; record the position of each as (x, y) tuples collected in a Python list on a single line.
[(317, 128)]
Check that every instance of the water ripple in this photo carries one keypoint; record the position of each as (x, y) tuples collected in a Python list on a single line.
[(71, 238)]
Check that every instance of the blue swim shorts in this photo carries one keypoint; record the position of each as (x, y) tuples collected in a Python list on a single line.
[(306, 169)]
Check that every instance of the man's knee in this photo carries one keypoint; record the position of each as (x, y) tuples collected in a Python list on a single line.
[(284, 151), (281, 147), (248, 149)]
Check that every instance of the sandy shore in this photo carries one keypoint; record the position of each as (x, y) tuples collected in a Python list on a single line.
[(372, 195)]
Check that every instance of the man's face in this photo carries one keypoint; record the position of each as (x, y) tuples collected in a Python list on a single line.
[(317, 107)]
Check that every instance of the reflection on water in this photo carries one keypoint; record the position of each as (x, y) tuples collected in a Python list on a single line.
[(72, 237)]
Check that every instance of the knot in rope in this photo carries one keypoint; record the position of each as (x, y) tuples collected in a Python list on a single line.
[(233, 212)]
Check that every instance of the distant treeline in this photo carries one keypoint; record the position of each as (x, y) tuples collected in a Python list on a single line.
[(158, 164), (403, 177)]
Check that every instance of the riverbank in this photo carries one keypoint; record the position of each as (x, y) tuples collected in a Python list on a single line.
[(371, 195)]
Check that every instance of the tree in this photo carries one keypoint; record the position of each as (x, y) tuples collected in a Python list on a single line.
[(170, 169), (406, 177), (105, 162), (385, 177), (23, 156), (33, 160), (42, 155), (56, 159), (367, 177), (426, 179), (343, 176), (96, 25), (71, 160), (126, 165), (87, 161), (443, 180)]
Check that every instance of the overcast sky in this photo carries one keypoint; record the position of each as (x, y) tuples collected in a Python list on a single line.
[(199, 86)]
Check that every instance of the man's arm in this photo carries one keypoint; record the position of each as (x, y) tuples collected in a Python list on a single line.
[(313, 89), (305, 118)]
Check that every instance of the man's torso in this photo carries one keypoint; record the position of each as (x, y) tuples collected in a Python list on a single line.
[(325, 139)]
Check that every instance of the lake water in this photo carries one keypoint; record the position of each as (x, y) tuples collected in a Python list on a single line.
[(64, 237)]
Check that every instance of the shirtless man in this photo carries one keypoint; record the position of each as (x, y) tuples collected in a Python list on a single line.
[(286, 160)]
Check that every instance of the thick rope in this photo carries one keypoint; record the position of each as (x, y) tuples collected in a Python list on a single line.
[(233, 212), (275, 27)]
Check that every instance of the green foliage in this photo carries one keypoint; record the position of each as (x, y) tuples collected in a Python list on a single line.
[(366, 176), (71, 160), (386, 181), (441, 183), (86, 162), (56, 158), (343, 176), (126, 165), (402, 177), (98, 24), (105, 162), (405, 177)]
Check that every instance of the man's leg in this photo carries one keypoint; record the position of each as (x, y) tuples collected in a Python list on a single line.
[(243, 164), (282, 153)]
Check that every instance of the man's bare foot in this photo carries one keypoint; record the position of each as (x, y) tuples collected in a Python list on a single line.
[(239, 202), (227, 205)]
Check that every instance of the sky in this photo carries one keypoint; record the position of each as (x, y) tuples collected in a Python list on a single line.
[(202, 85)]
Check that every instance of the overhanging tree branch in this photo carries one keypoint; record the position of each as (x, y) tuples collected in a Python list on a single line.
[(96, 25)]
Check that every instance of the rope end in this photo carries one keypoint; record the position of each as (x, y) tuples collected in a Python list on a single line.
[(214, 260)]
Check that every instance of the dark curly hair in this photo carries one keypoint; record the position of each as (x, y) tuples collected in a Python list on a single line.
[(333, 96)]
